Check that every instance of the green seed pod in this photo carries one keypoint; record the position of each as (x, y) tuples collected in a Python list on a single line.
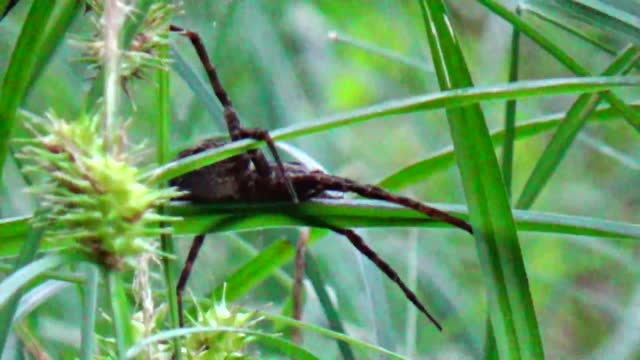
[(95, 198)]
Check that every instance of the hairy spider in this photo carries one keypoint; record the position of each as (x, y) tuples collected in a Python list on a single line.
[(234, 179)]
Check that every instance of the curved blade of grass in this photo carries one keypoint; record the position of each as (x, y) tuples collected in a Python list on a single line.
[(446, 99), (28, 252), (38, 295), (286, 347), (444, 158), (89, 311), (560, 21), (633, 117), (607, 18), (567, 131), (13, 283), (332, 334), (21, 69), (121, 316), (510, 304)]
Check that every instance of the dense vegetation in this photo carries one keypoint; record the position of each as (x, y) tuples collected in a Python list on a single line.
[(545, 169)]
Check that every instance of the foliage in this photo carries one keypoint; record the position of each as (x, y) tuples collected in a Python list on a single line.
[(559, 280)]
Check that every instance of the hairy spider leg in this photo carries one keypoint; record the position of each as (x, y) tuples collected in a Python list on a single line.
[(365, 250), (336, 183), (236, 130)]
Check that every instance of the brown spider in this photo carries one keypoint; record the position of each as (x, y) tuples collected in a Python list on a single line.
[(235, 179)]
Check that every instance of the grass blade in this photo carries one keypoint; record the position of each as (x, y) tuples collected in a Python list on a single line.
[(89, 311), (163, 135), (511, 308), (633, 117), (444, 158), (21, 70), (510, 115), (27, 254), (121, 316), (255, 270), (312, 271), (347, 213), (451, 98), (609, 19), (21, 278), (568, 130), (279, 319), (294, 351)]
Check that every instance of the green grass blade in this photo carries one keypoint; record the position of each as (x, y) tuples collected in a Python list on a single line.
[(28, 252), (345, 213), (120, 314), (89, 311), (15, 282), (567, 131), (510, 304), (279, 319), (441, 160), (255, 270), (292, 350), (633, 117), (37, 296), (312, 271), (606, 17), (607, 150), (560, 21), (446, 99), (21, 69), (163, 136), (510, 114), (60, 21)]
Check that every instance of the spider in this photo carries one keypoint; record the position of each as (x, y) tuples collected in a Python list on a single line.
[(235, 179)]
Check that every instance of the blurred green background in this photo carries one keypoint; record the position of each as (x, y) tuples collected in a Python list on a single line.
[(280, 67)]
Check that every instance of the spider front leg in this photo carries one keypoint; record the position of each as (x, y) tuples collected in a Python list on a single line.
[(235, 128)]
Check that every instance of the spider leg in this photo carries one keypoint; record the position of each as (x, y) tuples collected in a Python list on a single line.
[(236, 131), (330, 182), (184, 274), (365, 250)]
